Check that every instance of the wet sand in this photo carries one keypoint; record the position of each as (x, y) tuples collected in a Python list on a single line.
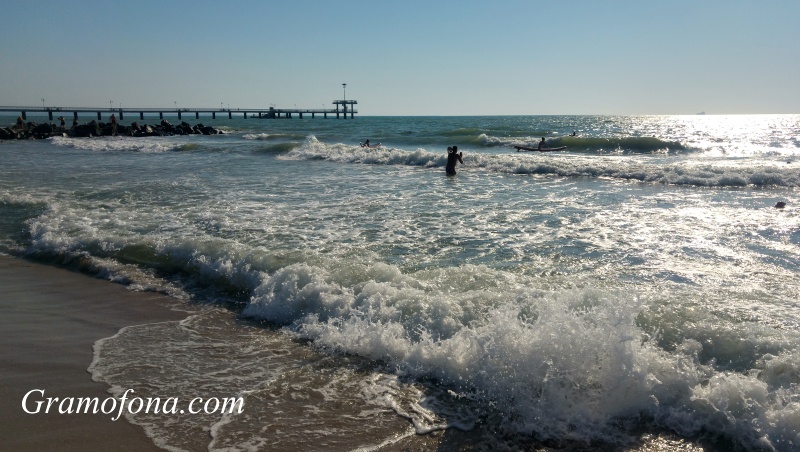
[(50, 318)]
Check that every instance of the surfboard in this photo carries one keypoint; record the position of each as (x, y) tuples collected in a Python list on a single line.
[(529, 149)]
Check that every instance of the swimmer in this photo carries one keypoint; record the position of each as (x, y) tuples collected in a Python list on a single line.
[(453, 158)]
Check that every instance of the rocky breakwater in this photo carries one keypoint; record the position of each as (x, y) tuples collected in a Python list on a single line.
[(34, 131)]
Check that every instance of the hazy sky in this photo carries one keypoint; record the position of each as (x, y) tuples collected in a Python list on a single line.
[(407, 57)]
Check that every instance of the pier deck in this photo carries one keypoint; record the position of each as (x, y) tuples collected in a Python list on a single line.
[(347, 108)]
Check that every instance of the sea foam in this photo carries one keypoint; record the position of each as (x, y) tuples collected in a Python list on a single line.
[(558, 365), (677, 172)]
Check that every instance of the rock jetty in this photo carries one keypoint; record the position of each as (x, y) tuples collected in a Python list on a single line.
[(34, 131)]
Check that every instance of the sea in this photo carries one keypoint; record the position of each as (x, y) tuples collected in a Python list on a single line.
[(638, 289)]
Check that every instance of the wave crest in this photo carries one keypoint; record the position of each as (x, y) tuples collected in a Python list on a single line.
[(697, 173), (557, 365)]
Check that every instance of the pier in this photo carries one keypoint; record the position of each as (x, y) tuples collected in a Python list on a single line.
[(342, 109)]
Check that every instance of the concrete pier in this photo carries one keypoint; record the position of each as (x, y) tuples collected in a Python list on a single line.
[(341, 110)]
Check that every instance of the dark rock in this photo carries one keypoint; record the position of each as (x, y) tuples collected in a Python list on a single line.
[(166, 127), (42, 131), (91, 129), (7, 134)]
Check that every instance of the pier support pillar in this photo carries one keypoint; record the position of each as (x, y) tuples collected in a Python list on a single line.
[(24, 116), (75, 115), (50, 114), (230, 115), (141, 116), (245, 115), (197, 115), (98, 116), (160, 115), (179, 114), (120, 115), (213, 115), (301, 115)]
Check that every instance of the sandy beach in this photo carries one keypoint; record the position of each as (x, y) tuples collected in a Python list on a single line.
[(50, 319)]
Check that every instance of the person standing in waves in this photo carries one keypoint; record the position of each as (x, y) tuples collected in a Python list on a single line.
[(453, 158)]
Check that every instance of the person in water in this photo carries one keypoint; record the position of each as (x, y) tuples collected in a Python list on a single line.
[(367, 145), (453, 158), (541, 144)]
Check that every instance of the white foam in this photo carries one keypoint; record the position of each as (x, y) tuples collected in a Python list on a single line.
[(122, 143), (257, 136), (677, 171), (561, 365)]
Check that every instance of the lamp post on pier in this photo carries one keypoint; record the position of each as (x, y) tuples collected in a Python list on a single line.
[(344, 100)]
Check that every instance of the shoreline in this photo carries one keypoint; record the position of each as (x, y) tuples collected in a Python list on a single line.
[(51, 320), (53, 316)]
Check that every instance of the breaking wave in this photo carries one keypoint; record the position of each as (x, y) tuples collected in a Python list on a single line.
[(708, 173)]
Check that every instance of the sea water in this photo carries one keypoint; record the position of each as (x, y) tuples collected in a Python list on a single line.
[(641, 281)]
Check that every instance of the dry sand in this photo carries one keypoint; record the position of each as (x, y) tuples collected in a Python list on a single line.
[(49, 319)]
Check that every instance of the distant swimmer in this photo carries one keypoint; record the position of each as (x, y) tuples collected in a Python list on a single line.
[(367, 145), (574, 134), (453, 158)]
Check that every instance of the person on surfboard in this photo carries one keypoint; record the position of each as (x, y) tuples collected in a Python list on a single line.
[(453, 157), (541, 144)]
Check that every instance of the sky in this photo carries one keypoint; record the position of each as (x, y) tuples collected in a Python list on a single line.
[(406, 57)]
